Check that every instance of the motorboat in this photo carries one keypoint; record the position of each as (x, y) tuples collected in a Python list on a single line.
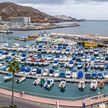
[(71, 64), (3, 57), (87, 76), (101, 84), (81, 85), (94, 85), (37, 81), (39, 72), (45, 72), (80, 65), (33, 72), (62, 85), (62, 74), (80, 75), (100, 75), (49, 83), (21, 79), (42, 82), (74, 75), (68, 74), (94, 75), (8, 77), (105, 75), (56, 73), (51, 72), (55, 63)]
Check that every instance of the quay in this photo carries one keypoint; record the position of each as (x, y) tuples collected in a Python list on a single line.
[(46, 27), (99, 39), (70, 80), (89, 102)]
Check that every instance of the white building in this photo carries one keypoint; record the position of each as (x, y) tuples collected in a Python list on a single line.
[(19, 21)]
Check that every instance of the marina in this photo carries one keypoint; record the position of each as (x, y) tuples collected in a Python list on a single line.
[(56, 65), (53, 54)]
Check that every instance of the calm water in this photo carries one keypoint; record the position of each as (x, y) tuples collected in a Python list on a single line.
[(71, 92), (87, 27)]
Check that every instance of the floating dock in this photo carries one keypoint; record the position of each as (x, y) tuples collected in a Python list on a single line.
[(70, 80)]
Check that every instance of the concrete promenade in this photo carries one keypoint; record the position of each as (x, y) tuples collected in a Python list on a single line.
[(77, 104)]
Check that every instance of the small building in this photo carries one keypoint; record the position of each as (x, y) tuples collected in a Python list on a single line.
[(90, 44), (19, 21)]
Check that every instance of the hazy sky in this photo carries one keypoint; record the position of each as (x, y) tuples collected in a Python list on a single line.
[(88, 9)]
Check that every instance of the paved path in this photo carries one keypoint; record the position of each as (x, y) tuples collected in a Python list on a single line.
[(6, 100), (78, 103)]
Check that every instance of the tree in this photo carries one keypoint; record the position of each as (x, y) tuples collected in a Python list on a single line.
[(14, 67)]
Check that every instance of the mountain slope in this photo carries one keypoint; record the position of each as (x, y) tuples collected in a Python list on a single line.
[(8, 9)]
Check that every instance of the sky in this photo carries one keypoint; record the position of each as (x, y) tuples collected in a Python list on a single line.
[(82, 9)]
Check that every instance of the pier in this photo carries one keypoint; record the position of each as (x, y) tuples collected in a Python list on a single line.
[(99, 39), (70, 80)]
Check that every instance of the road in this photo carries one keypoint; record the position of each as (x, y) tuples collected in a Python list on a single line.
[(6, 100)]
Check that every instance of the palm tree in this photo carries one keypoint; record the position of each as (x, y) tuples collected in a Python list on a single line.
[(14, 67)]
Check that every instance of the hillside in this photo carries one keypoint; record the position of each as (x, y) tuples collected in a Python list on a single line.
[(8, 9)]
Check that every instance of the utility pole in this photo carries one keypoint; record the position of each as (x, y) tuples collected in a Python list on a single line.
[(57, 103)]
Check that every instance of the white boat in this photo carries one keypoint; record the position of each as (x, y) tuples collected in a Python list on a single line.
[(97, 59), (6, 31), (81, 85), (46, 63), (56, 73), (2, 57), (37, 81), (1, 65), (102, 59), (49, 83), (49, 58), (71, 64), (74, 75), (33, 72), (101, 66), (62, 84), (106, 75), (91, 50), (61, 58), (53, 51), (45, 72), (8, 77), (96, 53), (94, 85), (88, 59), (83, 59), (51, 72), (21, 79), (68, 74), (55, 63)]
